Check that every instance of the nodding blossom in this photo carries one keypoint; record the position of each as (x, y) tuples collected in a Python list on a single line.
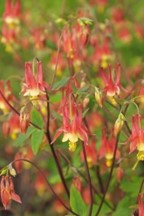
[(111, 86), (34, 85)]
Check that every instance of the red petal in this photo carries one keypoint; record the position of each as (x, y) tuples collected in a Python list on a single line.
[(16, 197)]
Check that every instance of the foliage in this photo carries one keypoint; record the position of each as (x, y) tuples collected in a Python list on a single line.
[(71, 107)]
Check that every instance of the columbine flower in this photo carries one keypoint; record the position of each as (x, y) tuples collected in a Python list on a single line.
[(73, 131), (102, 52), (12, 126), (75, 39), (34, 86), (7, 191), (112, 87), (107, 149), (137, 137), (140, 98), (91, 153), (39, 37), (6, 90), (12, 12), (73, 128), (9, 38)]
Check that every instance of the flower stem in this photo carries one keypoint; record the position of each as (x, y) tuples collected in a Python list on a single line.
[(89, 179), (7, 102), (99, 179), (77, 171), (53, 150), (15, 111), (49, 185), (47, 135), (141, 186), (109, 179)]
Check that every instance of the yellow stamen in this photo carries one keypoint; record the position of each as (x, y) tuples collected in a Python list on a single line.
[(72, 146), (13, 135), (108, 162), (140, 156), (104, 64), (90, 162)]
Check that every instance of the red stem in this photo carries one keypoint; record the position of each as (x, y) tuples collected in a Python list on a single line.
[(49, 185), (53, 150), (89, 179)]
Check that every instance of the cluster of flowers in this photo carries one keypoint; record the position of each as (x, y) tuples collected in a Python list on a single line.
[(78, 119)]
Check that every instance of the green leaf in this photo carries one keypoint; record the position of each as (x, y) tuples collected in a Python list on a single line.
[(104, 211), (123, 207), (60, 83), (37, 118), (56, 97), (36, 140), (85, 21), (23, 137), (131, 187), (85, 112), (76, 202), (83, 90), (51, 45)]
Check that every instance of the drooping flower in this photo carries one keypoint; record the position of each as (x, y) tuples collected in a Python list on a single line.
[(140, 98), (9, 38), (137, 137), (39, 37), (107, 149), (102, 52), (12, 12), (91, 153), (34, 85), (25, 152), (11, 126), (7, 191), (73, 127), (112, 87), (6, 90), (74, 40)]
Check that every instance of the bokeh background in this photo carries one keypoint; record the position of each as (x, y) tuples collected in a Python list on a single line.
[(120, 23)]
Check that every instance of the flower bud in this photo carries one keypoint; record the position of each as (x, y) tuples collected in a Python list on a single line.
[(85, 102), (24, 120), (119, 124), (12, 171), (5, 128), (98, 97)]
